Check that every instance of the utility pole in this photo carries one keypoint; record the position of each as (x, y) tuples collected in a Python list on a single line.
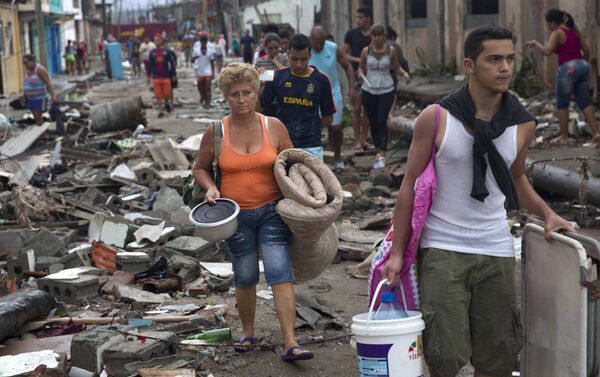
[(39, 25), (104, 34)]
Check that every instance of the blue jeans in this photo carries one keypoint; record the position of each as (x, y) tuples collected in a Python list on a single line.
[(261, 230), (573, 77)]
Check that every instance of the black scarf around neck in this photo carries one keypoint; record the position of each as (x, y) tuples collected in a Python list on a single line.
[(511, 112)]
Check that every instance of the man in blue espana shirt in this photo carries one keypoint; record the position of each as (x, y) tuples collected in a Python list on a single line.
[(302, 97)]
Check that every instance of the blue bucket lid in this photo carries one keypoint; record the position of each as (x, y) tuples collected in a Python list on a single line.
[(388, 297)]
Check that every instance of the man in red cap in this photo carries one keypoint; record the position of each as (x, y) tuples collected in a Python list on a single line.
[(162, 68)]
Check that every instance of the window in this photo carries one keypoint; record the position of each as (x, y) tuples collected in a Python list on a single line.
[(480, 13), (416, 13), (483, 7), (76, 4), (417, 8)]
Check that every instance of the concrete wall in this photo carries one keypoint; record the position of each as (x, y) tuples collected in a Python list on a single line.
[(11, 57), (288, 9), (441, 36)]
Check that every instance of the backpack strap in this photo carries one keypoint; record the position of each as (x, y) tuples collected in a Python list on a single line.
[(218, 130)]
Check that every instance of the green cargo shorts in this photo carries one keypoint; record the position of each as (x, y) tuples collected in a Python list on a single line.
[(468, 305)]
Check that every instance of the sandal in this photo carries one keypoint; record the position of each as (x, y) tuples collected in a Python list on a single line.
[(239, 343), (358, 150), (291, 356)]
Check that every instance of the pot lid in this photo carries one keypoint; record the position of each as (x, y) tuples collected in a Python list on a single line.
[(207, 213)]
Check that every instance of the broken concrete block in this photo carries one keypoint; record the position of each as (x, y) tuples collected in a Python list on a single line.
[(114, 232), (80, 256), (186, 267), (119, 277), (155, 344), (20, 261), (27, 364), (168, 200), (72, 285), (129, 294), (66, 235), (365, 185), (45, 264), (378, 191), (191, 246), (14, 240), (45, 243), (87, 347), (133, 261), (377, 221), (93, 196), (380, 177)]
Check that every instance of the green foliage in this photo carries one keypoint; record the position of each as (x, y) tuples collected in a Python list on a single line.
[(526, 82)]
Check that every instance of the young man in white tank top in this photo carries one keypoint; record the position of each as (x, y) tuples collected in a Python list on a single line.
[(467, 255)]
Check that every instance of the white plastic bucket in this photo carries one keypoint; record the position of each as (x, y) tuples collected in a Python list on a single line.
[(391, 348)]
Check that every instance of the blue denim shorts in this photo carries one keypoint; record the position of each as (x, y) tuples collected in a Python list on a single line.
[(573, 77), (261, 230), (39, 104)]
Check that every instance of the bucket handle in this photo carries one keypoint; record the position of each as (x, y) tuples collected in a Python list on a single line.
[(372, 306)]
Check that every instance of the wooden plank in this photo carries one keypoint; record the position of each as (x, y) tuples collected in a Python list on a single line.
[(151, 372)]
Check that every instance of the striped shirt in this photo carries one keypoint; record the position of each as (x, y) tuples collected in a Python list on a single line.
[(34, 86)]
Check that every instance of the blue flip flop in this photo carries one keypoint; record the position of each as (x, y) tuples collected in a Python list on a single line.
[(291, 356), (240, 346)]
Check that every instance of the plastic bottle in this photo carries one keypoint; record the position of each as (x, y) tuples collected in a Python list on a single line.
[(389, 308), (217, 335)]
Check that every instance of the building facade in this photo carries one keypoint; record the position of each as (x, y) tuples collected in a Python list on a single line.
[(432, 32), (11, 66)]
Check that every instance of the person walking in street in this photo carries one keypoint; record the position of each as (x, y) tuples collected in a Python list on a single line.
[(378, 90), (145, 48), (274, 58), (37, 86), (391, 36), (355, 41), (248, 45), (162, 64), (250, 145), (235, 45), (302, 96), (204, 54), (188, 44), (284, 40), (573, 75), (136, 63), (325, 57), (70, 59), (467, 253)]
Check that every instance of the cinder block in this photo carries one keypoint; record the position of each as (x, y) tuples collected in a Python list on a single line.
[(44, 263), (130, 350), (70, 291), (87, 347), (79, 257), (66, 235), (133, 262)]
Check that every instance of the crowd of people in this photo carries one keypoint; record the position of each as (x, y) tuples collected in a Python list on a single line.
[(288, 90), (285, 93), (76, 57)]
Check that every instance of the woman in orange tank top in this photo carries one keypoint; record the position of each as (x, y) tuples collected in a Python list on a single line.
[(250, 145)]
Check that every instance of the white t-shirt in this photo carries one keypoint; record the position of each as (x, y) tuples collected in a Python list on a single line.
[(145, 49), (203, 61)]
